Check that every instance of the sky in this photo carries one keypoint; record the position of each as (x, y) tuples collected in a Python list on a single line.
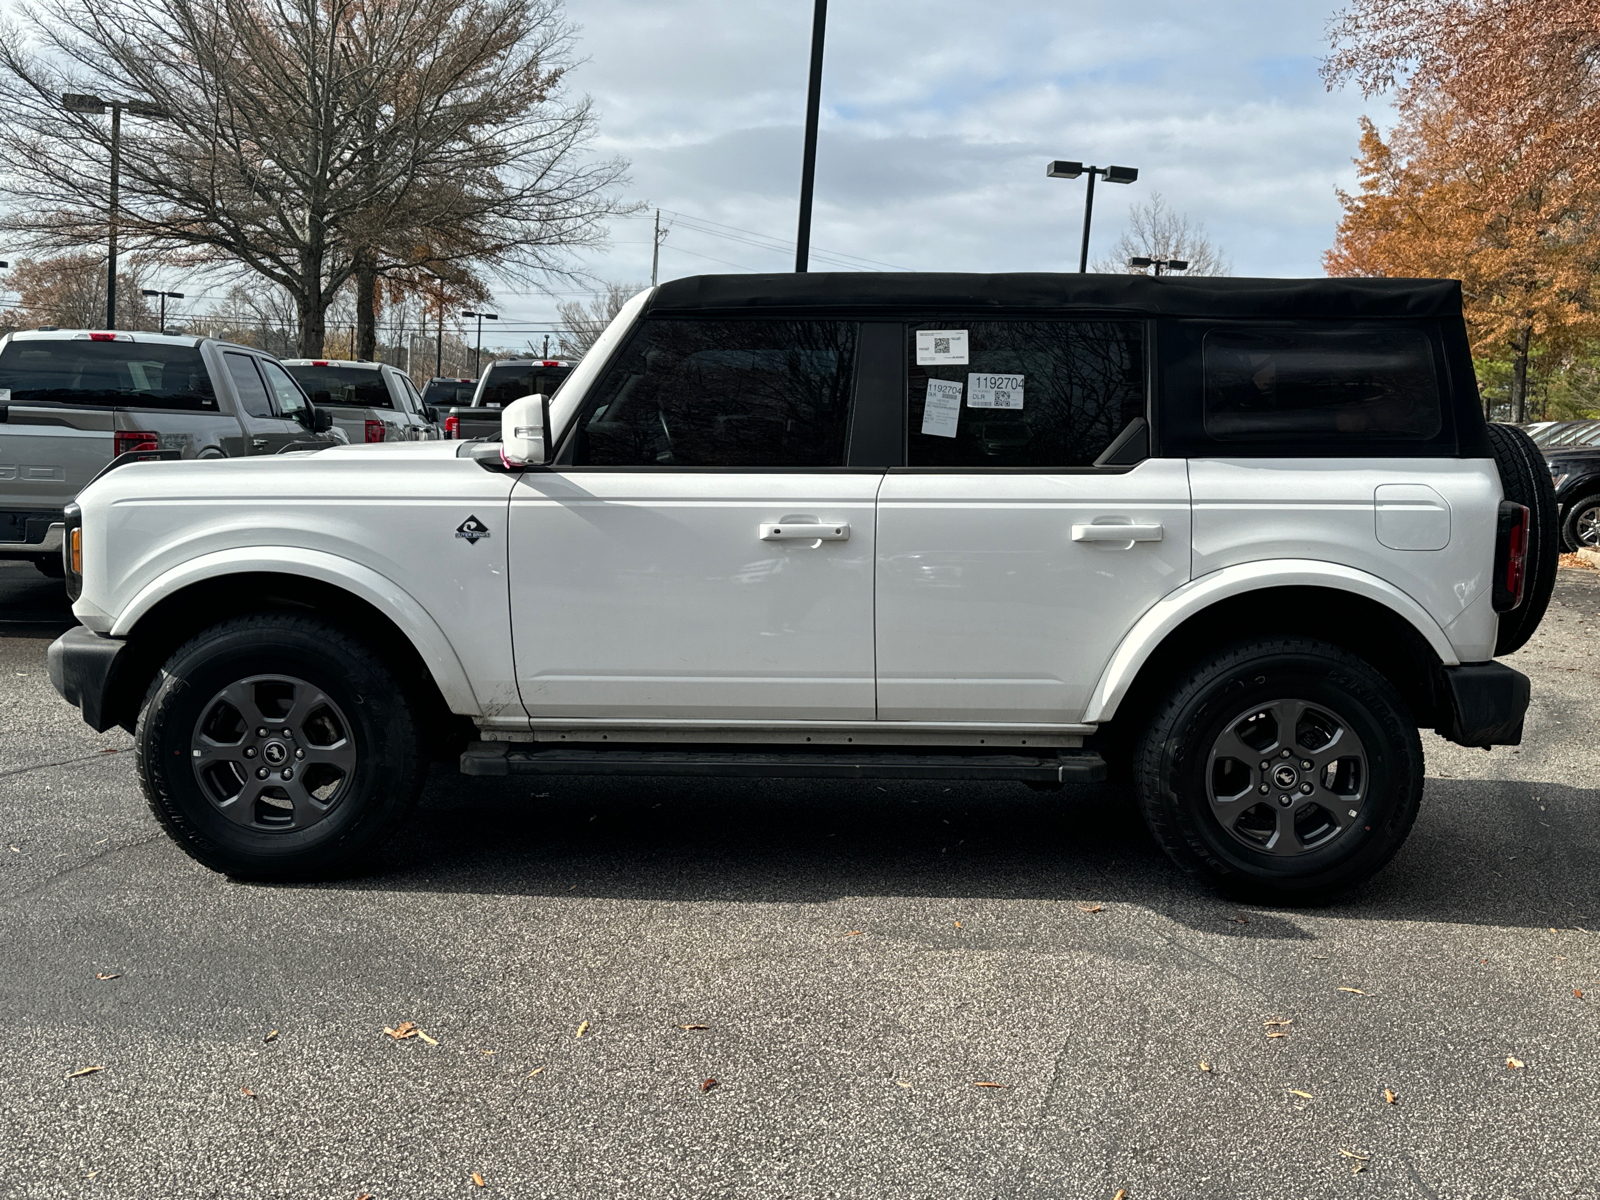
[(938, 119)]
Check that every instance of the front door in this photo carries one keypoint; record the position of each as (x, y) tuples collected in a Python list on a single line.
[(700, 550), (1005, 578), (266, 431)]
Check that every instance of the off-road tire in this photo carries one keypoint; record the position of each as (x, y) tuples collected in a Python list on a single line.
[(389, 764), (1570, 539), (1525, 478), (1171, 766)]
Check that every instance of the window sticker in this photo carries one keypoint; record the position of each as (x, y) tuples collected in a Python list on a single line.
[(943, 408), (941, 347), (994, 391)]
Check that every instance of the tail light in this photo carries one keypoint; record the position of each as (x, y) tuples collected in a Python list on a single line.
[(1510, 555), (124, 440), (452, 427), (374, 431)]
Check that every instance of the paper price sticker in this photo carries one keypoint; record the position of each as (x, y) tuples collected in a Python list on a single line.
[(5, 395), (941, 347), (994, 391), (943, 409)]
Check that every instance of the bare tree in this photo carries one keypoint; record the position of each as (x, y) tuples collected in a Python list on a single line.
[(69, 291), (586, 322), (1155, 231), (311, 142)]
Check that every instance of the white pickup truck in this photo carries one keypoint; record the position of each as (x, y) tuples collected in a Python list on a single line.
[(1233, 540)]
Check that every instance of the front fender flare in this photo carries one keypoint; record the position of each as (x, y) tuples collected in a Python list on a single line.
[(378, 590), (1199, 594)]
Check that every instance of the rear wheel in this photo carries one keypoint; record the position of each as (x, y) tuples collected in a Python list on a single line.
[(276, 747), (1285, 770), (1581, 527)]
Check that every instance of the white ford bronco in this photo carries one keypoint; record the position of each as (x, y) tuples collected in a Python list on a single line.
[(1231, 540)]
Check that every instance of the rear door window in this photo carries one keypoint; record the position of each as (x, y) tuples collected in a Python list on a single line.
[(247, 382), (1354, 383), (353, 387), (1023, 393), (733, 393), (107, 374)]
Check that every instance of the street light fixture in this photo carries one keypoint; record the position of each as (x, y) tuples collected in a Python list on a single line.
[(165, 296), (1160, 264), (77, 102), (1071, 170), (477, 355)]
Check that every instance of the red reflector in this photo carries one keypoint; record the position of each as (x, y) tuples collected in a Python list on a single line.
[(102, 337), (124, 440), (452, 427), (374, 431)]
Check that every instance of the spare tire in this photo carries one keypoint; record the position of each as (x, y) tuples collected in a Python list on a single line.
[(1526, 480)]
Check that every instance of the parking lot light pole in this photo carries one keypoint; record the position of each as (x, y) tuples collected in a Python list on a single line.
[(165, 296), (808, 162), (1071, 170), (477, 355), (77, 102), (1160, 264)]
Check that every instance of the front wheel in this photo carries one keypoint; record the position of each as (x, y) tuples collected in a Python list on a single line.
[(276, 746), (1283, 770)]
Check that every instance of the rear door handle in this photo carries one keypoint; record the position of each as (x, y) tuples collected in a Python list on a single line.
[(1116, 533), (805, 532)]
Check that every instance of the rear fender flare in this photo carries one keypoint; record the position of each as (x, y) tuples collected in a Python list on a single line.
[(1194, 597), (414, 621)]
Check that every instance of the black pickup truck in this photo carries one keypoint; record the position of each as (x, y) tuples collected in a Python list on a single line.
[(503, 381)]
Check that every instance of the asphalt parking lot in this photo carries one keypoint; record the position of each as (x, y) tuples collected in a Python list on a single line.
[(852, 963)]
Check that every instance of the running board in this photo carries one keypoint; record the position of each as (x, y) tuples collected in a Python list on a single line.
[(503, 758)]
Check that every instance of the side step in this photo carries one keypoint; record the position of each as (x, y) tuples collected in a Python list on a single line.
[(507, 758)]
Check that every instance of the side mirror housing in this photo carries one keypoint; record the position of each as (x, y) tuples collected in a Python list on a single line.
[(432, 413), (321, 420), (524, 430)]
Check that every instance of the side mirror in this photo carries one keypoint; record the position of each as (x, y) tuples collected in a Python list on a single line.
[(432, 413), (524, 428), (321, 420)]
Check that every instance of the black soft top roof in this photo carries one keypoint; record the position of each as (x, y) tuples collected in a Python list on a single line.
[(1166, 296)]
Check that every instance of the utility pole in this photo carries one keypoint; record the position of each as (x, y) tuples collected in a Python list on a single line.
[(438, 361), (655, 252), (808, 165)]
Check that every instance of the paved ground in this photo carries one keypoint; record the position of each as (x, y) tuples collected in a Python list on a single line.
[(813, 929)]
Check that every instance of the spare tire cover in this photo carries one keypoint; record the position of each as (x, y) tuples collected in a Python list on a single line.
[(1526, 480)]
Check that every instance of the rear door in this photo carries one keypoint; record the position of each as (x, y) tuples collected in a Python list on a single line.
[(1030, 529), (701, 551)]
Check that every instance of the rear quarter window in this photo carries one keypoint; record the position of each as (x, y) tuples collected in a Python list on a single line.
[(107, 375)]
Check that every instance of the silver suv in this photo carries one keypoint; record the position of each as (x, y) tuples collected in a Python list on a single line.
[(71, 400), (371, 402)]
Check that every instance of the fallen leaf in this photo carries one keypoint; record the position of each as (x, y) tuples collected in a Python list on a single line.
[(1092, 908), (582, 1029), (1578, 993), (407, 1029), (117, 975), (1280, 1033), (1389, 1097), (984, 1083), (364, 1196), (534, 1072), (477, 1179), (707, 1084), (1357, 991), (957, 924), (1514, 1063), (1269, 1024), (854, 932), (1303, 1095), (1122, 1194), (270, 1036), (244, 1091), (903, 1083), (434, 1041), (485, 1053), (1205, 1066), (85, 1071), (694, 1027), (1353, 1154)]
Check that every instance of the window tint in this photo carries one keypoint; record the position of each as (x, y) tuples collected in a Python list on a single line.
[(291, 402), (449, 393), (1353, 382), (247, 382), (355, 387), (723, 394), (512, 381), (125, 374), (1031, 393)]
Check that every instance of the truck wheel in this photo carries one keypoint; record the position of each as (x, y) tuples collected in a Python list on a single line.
[(277, 746), (1581, 528), (1525, 478), (1283, 770)]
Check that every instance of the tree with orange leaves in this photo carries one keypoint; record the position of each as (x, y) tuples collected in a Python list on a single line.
[(1491, 174)]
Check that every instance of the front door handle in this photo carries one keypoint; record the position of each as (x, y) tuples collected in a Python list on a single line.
[(805, 532), (258, 442), (1107, 532)]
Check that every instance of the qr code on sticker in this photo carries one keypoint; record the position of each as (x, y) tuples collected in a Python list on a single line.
[(941, 345)]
